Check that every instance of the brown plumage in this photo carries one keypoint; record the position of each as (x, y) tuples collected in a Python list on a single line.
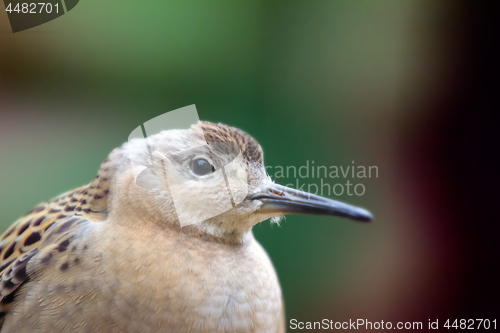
[(111, 256)]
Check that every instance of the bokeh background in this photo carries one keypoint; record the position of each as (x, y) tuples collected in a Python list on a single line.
[(408, 86)]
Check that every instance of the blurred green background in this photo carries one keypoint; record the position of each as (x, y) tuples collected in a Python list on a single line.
[(329, 81)]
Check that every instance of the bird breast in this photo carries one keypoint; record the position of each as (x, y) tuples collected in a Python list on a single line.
[(151, 281), (178, 278)]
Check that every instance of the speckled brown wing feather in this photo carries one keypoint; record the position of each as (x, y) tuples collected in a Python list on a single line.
[(56, 241), (48, 223)]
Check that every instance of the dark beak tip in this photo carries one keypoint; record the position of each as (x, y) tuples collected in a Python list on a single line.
[(364, 219), (363, 216)]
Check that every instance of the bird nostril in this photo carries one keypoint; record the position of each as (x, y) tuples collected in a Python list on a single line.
[(281, 194)]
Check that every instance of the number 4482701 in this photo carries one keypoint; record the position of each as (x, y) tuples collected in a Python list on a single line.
[(471, 324), (33, 8)]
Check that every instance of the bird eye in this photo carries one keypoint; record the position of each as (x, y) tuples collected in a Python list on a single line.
[(201, 167)]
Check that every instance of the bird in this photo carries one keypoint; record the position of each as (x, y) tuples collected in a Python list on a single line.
[(159, 241)]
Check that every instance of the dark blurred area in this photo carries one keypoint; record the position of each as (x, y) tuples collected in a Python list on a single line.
[(408, 86), (466, 138)]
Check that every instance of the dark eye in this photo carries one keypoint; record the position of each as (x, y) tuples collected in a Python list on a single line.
[(201, 167)]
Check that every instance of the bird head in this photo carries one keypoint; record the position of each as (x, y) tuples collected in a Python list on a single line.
[(209, 178)]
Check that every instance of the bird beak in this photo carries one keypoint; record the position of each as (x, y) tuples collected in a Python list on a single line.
[(284, 201)]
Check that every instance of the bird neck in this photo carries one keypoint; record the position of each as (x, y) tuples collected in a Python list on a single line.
[(142, 221)]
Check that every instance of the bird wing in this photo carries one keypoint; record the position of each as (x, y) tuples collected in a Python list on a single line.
[(48, 227), (51, 226)]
